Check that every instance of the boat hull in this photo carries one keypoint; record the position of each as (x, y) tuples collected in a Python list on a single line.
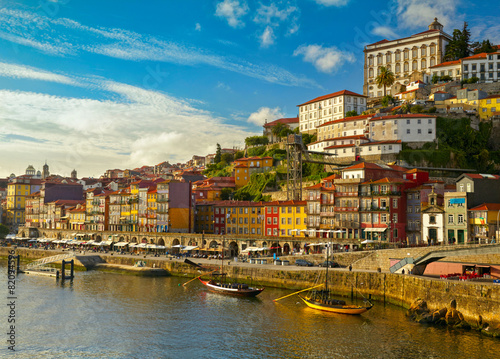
[(341, 309), (240, 292)]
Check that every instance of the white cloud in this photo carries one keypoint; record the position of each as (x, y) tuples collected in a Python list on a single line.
[(267, 38), (197, 27), (59, 36), (265, 113), (273, 17), (223, 86), (137, 127), (24, 72), (232, 11), (417, 14), (337, 3), (325, 59), (385, 31)]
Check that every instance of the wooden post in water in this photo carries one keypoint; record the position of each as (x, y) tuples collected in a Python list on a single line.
[(63, 270), (18, 263), (72, 269)]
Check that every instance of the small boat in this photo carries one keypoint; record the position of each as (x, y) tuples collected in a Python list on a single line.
[(237, 289), (319, 301)]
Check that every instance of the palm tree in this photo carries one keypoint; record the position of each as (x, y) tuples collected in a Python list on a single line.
[(385, 78)]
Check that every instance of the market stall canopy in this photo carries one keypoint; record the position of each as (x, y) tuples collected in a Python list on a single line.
[(190, 248), (368, 241), (375, 229), (121, 244)]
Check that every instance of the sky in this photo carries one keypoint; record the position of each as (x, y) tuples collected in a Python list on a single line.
[(93, 85)]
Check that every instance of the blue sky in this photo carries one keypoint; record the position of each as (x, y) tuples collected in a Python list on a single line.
[(93, 85)]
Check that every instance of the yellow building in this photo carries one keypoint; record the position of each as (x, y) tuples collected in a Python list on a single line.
[(245, 167), (489, 107), (17, 191), (204, 217), (151, 210), (483, 221), (292, 218), (243, 217)]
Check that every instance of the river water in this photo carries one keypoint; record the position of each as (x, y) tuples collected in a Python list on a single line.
[(103, 315)]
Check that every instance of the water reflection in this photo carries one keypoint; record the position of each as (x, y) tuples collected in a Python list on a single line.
[(119, 316)]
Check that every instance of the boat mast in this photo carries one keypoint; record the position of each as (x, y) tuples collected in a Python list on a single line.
[(326, 280), (222, 262)]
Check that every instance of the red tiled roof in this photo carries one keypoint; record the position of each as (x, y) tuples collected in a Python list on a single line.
[(401, 93), (338, 93), (481, 176), (390, 180), (354, 137), (425, 32), (491, 96), (447, 63), (366, 165), (338, 146), (381, 142), (441, 92), (487, 207), (418, 115), (283, 121), (482, 55), (352, 118)]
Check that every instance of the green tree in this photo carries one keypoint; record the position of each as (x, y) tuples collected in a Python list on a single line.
[(484, 46), (459, 46), (445, 78), (385, 78), (307, 138), (276, 130), (386, 100), (227, 158), (256, 141), (435, 78), (218, 154), (405, 108), (417, 109), (4, 230), (239, 154), (226, 194), (472, 80), (351, 113)]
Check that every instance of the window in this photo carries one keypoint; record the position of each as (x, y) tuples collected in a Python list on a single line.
[(429, 131), (450, 218), (408, 131), (419, 131), (409, 209), (460, 219), (432, 219), (394, 203)]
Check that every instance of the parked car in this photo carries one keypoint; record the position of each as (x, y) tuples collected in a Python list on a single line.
[(329, 264), (303, 263)]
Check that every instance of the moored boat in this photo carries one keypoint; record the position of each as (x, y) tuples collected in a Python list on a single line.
[(237, 289), (334, 306)]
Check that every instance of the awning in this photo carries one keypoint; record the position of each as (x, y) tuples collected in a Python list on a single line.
[(133, 245), (10, 236), (375, 229), (32, 240), (105, 243), (368, 241), (178, 246), (189, 248), (121, 244)]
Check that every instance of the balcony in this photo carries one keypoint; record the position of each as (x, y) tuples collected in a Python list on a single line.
[(347, 224), (346, 209), (327, 214), (347, 194)]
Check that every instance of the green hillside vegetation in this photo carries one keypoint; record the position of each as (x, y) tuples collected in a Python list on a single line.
[(458, 146), (257, 184)]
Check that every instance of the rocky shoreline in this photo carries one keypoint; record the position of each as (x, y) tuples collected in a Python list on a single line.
[(449, 317)]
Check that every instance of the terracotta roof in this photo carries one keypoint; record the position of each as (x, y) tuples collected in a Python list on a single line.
[(339, 146), (441, 92), (283, 121), (482, 176), (401, 93), (401, 116), (355, 137), (487, 207), (338, 93), (389, 142), (447, 63), (316, 186), (366, 165), (390, 180), (482, 55), (352, 118)]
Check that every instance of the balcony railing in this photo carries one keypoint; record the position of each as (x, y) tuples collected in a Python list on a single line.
[(347, 194), (347, 224), (346, 209)]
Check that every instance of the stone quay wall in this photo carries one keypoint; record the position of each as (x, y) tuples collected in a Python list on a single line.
[(473, 298)]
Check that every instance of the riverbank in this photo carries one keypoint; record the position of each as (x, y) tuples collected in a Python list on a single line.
[(474, 298)]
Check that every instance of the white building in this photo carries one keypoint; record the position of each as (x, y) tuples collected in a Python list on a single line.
[(408, 58), (406, 128), (329, 107), (433, 221), (449, 68), (484, 66)]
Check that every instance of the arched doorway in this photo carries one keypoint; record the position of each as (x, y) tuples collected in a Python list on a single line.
[(161, 242), (133, 240), (233, 249), (276, 248), (286, 249), (98, 238), (144, 240), (175, 244), (296, 247)]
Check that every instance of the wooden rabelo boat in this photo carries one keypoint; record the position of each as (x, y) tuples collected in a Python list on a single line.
[(237, 289)]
